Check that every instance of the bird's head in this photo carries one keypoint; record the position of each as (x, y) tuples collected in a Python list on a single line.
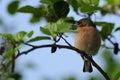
[(86, 22)]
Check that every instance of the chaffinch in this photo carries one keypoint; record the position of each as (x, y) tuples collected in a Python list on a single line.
[(87, 39)]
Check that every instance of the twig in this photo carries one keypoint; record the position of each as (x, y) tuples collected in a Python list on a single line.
[(29, 44), (110, 41), (58, 40), (66, 41), (104, 46), (71, 48)]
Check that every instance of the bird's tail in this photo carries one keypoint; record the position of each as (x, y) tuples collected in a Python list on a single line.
[(87, 66)]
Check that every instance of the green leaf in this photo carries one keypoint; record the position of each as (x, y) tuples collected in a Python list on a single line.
[(113, 2), (30, 34), (106, 29), (117, 29), (45, 30), (54, 9), (89, 2), (8, 36), (38, 38), (69, 20), (117, 2), (74, 4), (61, 8), (63, 26), (88, 6), (35, 18), (116, 74), (54, 29), (10, 79), (20, 36), (110, 62), (50, 14), (46, 1), (27, 9), (13, 6), (49, 29), (50, 2), (93, 2), (8, 54)]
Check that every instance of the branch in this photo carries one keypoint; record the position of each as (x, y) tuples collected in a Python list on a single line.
[(66, 41), (71, 48), (116, 46)]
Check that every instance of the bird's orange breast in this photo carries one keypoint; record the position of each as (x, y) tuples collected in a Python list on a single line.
[(87, 39)]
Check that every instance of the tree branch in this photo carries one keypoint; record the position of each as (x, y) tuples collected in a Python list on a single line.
[(115, 44), (66, 41), (71, 48)]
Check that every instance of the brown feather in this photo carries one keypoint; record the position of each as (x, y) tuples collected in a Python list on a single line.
[(87, 39)]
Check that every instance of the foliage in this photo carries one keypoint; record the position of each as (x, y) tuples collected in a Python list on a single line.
[(55, 29), (55, 13), (106, 29), (13, 6)]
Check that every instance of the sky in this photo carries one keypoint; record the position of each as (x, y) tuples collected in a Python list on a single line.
[(55, 66)]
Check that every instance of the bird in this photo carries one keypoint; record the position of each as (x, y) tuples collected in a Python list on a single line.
[(87, 39)]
